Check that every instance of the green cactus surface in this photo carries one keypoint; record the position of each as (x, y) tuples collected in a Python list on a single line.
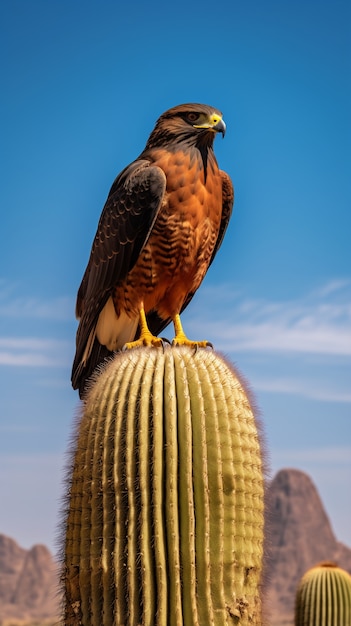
[(164, 522), (323, 597)]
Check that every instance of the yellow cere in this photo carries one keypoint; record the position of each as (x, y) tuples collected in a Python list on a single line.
[(208, 122)]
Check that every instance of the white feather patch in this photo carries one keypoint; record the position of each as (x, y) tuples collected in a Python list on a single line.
[(88, 348), (112, 331)]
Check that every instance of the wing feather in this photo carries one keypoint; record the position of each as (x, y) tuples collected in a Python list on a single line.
[(124, 227)]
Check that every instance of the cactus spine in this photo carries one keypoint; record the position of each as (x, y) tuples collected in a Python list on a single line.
[(323, 597), (164, 523)]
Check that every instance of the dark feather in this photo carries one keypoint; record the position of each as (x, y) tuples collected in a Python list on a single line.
[(124, 228)]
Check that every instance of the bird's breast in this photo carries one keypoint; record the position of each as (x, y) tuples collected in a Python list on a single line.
[(190, 194), (190, 216), (178, 252)]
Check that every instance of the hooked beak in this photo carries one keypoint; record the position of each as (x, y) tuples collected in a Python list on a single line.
[(220, 127)]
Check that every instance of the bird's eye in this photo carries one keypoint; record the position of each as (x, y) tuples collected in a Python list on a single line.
[(192, 117)]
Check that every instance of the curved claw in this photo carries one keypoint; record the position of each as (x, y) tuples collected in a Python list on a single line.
[(165, 340), (155, 342), (200, 344), (184, 341)]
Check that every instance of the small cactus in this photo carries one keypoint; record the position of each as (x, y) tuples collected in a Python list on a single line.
[(323, 597), (164, 523)]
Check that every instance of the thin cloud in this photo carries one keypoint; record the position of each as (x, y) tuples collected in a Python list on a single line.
[(29, 343), (61, 308), (34, 352), (318, 324), (302, 387), (335, 455), (332, 287), (332, 455)]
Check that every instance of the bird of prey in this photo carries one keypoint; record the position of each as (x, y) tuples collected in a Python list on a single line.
[(162, 224)]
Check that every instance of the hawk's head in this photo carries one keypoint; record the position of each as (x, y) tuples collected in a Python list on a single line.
[(194, 124)]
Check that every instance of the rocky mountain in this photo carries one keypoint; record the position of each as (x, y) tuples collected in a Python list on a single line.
[(28, 582), (299, 536)]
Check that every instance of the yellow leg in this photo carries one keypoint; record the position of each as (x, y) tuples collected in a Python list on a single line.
[(181, 339), (146, 337)]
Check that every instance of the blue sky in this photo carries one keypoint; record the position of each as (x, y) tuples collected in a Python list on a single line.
[(82, 85)]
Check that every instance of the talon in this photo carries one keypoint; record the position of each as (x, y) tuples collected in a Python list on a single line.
[(146, 337), (181, 339), (184, 341), (165, 340), (149, 340)]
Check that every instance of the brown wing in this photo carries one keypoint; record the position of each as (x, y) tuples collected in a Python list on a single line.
[(155, 323), (124, 228)]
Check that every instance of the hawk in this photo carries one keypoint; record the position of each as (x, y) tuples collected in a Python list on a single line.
[(162, 224)]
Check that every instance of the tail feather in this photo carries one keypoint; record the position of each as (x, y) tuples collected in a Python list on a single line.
[(112, 331), (83, 370), (108, 334)]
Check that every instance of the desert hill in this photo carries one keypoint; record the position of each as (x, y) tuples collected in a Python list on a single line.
[(28, 582), (299, 536)]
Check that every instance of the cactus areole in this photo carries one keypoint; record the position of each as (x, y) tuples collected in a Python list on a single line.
[(164, 523), (323, 597)]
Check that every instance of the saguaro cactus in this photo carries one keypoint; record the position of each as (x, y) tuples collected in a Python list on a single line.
[(164, 522), (323, 597)]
